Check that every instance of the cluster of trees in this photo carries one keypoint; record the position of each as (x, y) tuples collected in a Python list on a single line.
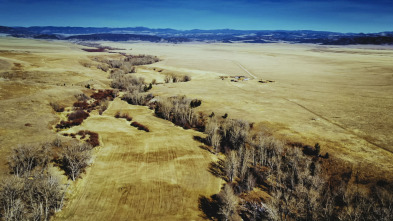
[(135, 88), (179, 110), (298, 185), (33, 197), (32, 191), (126, 64), (137, 98), (173, 78)]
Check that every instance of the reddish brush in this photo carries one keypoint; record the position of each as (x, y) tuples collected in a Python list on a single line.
[(79, 114), (103, 94), (93, 137), (81, 104), (94, 50), (124, 115), (140, 126)]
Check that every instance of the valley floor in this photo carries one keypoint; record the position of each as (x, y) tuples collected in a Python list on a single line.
[(336, 96)]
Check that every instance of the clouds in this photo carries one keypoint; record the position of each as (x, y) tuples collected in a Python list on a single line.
[(334, 15)]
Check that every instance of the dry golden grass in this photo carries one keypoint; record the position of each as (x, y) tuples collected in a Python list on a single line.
[(141, 176), (340, 97), (135, 175)]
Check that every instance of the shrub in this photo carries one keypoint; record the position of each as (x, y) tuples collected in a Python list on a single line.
[(36, 197), (56, 107), (140, 126), (104, 95), (78, 115), (103, 106), (128, 82), (74, 119), (81, 105), (93, 139), (82, 97), (25, 158), (75, 159), (136, 98), (167, 78), (57, 142), (186, 78), (195, 103), (141, 59), (178, 110), (103, 67)]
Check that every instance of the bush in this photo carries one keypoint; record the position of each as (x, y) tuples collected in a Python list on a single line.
[(124, 115), (93, 139), (81, 105), (75, 159), (25, 158), (178, 110), (56, 107), (140, 126), (128, 82), (186, 78), (136, 98), (82, 97), (78, 114), (103, 67), (36, 197), (103, 106), (104, 95)]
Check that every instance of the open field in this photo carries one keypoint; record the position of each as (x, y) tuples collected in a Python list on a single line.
[(340, 97), (135, 175)]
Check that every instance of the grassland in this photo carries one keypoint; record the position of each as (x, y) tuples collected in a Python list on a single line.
[(339, 97)]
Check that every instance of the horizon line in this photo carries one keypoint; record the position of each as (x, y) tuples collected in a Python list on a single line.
[(199, 29)]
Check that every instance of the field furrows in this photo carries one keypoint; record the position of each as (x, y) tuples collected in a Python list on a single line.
[(142, 176)]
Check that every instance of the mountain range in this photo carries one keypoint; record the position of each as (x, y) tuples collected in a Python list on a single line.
[(179, 36)]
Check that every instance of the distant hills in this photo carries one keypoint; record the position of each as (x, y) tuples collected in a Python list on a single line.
[(179, 36)]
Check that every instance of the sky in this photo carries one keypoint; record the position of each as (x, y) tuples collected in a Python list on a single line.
[(321, 15)]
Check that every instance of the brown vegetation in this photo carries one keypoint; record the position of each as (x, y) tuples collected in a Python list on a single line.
[(25, 158), (75, 158), (93, 139), (179, 110), (137, 98), (140, 126), (34, 197), (298, 181), (56, 107), (32, 192), (173, 78), (124, 115)]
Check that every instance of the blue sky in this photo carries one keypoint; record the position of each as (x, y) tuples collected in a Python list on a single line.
[(325, 15)]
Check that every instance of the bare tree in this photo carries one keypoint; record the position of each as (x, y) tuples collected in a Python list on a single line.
[(11, 191), (228, 203), (231, 165), (75, 159), (48, 193), (25, 158)]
